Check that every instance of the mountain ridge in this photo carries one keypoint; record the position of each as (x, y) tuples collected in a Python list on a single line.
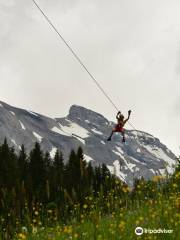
[(142, 155)]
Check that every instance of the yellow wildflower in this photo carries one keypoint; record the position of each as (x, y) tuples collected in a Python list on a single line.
[(85, 206), (122, 225), (157, 178), (36, 213)]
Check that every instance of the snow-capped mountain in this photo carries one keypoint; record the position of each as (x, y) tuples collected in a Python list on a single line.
[(141, 155)]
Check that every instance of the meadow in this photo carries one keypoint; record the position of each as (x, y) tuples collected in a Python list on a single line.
[(152, 205), (102, 208)]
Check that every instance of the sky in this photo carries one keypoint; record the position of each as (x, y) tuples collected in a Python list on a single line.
[(132, 47)]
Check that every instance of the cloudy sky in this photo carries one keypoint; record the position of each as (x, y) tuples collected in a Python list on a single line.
[(132, 47)]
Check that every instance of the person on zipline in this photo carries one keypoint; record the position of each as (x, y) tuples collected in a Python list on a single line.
[(120, 124)]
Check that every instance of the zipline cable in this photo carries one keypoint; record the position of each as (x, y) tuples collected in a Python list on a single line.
[(75, 55)]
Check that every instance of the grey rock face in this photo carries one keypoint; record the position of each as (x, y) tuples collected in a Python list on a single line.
[(141, 155)]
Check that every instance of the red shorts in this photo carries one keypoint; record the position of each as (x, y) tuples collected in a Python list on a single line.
[(118, 128)]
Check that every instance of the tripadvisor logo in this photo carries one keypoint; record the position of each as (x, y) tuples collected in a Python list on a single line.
[(139, 231)]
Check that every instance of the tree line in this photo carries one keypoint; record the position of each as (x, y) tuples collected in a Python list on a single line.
[(27, 179)]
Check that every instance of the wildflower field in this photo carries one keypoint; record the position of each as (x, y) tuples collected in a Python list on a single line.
[(152, 205), (109, 210)]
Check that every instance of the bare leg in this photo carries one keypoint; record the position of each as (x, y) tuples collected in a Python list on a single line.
[(123, 140), (109, 138)]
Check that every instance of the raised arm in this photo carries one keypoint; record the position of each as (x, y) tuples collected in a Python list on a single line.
[(117, 116), (129, 113)]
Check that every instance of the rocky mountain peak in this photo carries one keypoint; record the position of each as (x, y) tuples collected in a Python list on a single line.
[(77, 113)]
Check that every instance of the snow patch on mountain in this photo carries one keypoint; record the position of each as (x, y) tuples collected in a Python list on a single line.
[(33, 113), (22, 125), (140, 134), (12, 113), (119, 153), (131, 166), (39, 138), (59, 131), (119, 150), (138, 150), (159, 153), (13, 141), (152, 171), (170, 170), (79, 139), (74, 128), (162, 171), (138, 161), (96, 131), (15, 144), (53, 152), (88, 158), (116, 170)]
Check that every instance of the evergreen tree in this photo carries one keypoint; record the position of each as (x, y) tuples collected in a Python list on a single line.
[(90, 175), (8, 166), (73, 171), (97, 179), (22, 164), (37, 170), (59, 168), (47, 165)]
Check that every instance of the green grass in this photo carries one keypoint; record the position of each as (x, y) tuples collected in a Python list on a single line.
[(150, 214), (152, 205)]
